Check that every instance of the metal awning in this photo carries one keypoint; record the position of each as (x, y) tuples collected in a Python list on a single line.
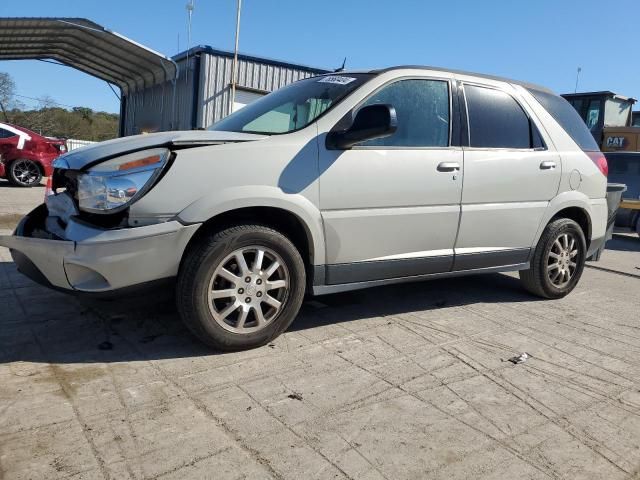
[(88, 47)]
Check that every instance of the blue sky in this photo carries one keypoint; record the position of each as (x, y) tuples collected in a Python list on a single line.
[(542, 41)]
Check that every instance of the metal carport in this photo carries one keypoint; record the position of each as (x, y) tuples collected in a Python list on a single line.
[(86, 46)]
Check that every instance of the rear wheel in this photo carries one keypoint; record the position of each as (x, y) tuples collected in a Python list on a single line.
[(558, 260), (24, 173), (241, 287)]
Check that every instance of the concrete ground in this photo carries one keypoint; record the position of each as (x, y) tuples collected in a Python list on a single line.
[(396, 382)]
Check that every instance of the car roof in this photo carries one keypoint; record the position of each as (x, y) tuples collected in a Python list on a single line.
[(24, 130), (527, 85)]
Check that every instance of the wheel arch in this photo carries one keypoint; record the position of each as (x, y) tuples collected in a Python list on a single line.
[(293, 215), (573, 205), (578, 215)]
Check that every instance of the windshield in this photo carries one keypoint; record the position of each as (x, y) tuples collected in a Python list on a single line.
[(292, 107)]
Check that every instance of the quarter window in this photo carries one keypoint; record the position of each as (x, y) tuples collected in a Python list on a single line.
[(422, 108), (496, 120)]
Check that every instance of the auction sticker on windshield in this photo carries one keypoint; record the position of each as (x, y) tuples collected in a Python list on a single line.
[(336, 79)]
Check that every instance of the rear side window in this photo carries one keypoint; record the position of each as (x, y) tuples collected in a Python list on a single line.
[(496, 120), (568, 118), (6, 133)]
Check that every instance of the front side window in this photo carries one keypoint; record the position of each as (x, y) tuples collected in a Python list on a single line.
[(422, 108), (292, 107), (496, 120)]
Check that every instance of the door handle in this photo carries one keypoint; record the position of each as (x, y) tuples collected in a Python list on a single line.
[(547, 165), (448, 166)]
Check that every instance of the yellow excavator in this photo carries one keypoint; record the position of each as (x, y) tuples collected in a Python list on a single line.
[(616, 128)]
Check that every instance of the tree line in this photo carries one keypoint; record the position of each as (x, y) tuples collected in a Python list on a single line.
[(52, 120)]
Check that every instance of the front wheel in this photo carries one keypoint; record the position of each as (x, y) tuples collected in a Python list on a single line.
[(24, 173), (558, 260), (240, 287)]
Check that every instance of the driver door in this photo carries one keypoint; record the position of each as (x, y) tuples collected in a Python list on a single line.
[(391, 206)]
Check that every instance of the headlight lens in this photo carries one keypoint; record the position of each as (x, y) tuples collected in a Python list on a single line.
[(112, 185)]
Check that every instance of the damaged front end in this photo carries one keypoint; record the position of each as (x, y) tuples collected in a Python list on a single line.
[(82, 238)]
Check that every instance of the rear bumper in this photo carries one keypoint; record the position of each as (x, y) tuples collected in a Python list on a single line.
[(92, 260)]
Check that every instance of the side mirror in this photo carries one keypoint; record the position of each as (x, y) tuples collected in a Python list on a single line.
[(371, 121)]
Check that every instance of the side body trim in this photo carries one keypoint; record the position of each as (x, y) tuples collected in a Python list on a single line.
[(487, 259), (383, 269), (329, 289)]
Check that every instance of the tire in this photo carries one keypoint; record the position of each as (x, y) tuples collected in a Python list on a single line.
[(638, 226), (539, 278), (217, 303), (24, 173)]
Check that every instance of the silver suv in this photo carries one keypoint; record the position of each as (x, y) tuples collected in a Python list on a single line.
[(333, 183)]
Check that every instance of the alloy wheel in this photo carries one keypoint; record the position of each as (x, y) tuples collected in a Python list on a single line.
[(248, 289), (562, 260), (26, 172)]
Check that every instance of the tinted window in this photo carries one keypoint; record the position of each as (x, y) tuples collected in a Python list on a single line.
[(567, 117), (422, 107), (6, 133), (496, 120)]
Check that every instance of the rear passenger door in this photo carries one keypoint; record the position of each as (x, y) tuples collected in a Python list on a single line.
[(510, 175)]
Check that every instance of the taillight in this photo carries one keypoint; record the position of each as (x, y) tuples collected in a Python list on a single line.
[(49, 188), (600, 160)]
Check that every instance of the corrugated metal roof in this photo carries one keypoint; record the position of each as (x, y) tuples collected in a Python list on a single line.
[(248, 58), (86, 46)]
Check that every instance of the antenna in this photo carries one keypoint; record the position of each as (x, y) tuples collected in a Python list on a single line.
[(344, 62), (577, 77)]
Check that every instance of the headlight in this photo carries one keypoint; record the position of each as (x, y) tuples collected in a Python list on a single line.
[(112, 185)]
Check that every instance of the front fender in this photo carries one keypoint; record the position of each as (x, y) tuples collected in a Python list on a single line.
[(234, 198)]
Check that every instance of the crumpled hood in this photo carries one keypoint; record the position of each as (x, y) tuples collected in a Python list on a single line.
[(77, 159)]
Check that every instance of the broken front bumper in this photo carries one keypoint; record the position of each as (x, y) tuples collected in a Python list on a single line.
[(94, 260)]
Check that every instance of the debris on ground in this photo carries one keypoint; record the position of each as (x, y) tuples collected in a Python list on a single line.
[(523, 357), (295, 396)]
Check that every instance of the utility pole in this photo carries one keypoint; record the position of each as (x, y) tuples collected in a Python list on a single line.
[(190, 8), (577, 77), (234, 67)]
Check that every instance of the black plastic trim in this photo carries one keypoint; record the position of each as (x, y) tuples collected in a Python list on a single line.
[(472, 261), (384, 269), (463, 122), (319, 274)]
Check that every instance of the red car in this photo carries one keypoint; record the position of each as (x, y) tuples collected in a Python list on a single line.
[(25, 156)]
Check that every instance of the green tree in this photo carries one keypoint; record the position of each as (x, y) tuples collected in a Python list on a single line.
[(7, 93)]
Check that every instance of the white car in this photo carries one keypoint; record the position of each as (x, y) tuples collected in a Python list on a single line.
[(333, 183)]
